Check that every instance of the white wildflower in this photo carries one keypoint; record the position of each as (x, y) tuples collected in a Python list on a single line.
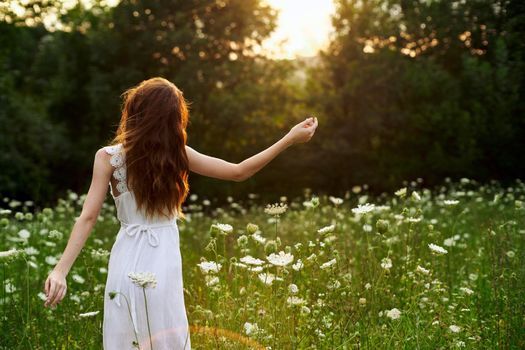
[(416, 196), (55, 234), (413, 220), (99, 253), (24, 234), (449, 242), (293, 300), (298, 265), (454, 329), (326, 229), (363, 208), (466, 290), (51, 260), (250, 328), (280, 259), (89, 314), (422, 270), (401, 192), (293, 288), (9, 253), (207, 266), (437, 249), (276, 209), (386, 263), (211, 280), (78, 278), (225, 228), (335, 200), (248, 259), (143, 279), (394, 314), (257, 237), (451, 202), (268, 278), (327, 264)]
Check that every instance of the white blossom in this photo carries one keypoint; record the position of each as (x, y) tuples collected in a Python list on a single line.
[(143, 279), (207, 266), (89, 314), (327, 264), (276, 209), (280, 259), (326, 229), (294, 300), (298, 265), (386, 263), (248, 259), (454, 329), (363, 208), (394, 314), (268, 278), (437, 249), (250, 328), (422, 270)]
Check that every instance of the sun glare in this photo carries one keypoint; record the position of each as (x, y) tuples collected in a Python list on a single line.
[(302, 29)]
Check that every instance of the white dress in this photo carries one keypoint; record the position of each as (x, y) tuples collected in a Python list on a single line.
[(143, 245)]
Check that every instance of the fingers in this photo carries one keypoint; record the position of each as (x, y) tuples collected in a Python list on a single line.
[(313, 124), (46, 287), (62, 295), (58, 296)]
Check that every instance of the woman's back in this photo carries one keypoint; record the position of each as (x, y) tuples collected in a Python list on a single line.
[(142, 246)]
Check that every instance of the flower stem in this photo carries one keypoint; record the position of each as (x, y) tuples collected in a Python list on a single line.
[(131, 318), (147, 317)]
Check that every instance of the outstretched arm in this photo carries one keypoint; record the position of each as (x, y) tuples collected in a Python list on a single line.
[(218, 168)]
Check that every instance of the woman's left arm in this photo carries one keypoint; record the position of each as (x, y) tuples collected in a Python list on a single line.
[(55, 286)]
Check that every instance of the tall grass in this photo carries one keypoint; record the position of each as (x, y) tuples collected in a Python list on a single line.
[(363, 278)]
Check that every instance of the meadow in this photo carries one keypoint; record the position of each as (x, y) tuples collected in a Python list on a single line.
[(420, 268)]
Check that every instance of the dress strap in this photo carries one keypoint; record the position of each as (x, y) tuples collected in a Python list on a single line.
[(118, 161)]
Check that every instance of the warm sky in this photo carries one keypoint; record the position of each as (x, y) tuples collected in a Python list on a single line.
[(305, 24)]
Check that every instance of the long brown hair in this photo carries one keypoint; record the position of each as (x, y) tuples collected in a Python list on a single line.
[(152, 131)]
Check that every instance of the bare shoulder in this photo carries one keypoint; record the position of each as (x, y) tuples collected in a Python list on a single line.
[(103, 160)]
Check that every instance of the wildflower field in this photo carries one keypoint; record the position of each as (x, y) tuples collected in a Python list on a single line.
[(415, 269)]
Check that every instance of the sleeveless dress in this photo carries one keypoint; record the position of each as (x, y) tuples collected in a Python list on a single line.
[(142, 246)]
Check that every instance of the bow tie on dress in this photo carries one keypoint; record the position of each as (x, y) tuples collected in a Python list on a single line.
[(133, 229)]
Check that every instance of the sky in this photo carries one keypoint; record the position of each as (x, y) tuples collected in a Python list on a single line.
[(304, 24)]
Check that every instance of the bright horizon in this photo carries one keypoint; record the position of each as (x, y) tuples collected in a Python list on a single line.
[(303, 26)]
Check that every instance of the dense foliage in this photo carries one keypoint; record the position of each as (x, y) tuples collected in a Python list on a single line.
[(406, 89)]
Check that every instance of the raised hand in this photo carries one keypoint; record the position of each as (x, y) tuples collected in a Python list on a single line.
[(303, 131)]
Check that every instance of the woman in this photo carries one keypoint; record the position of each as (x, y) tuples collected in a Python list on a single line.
[(147, 168)]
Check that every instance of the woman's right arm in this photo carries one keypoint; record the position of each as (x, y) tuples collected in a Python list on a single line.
[(218, 168)]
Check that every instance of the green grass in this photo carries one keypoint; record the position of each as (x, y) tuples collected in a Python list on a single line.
[(478, 285)]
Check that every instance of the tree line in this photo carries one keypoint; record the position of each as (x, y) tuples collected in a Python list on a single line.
[(405, 90)]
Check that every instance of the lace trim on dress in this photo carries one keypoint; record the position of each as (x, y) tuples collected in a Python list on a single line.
[(118, 161)]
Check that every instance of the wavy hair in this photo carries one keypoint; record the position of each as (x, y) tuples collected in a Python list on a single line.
[(152, 131)]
